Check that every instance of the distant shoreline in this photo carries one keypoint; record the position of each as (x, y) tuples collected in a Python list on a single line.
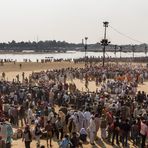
[(1, 52), (56, 52)]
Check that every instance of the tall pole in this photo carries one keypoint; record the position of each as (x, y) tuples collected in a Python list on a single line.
[(115, 52), (120, 50), (104, 42), (133, 49), (82, 41), (85, 46), (145, 50)]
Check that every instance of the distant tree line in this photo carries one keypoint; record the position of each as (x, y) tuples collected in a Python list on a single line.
[(38, 46), (53, 45)]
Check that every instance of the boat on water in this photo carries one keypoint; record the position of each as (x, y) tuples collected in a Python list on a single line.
[(48, 57), (71, 51)]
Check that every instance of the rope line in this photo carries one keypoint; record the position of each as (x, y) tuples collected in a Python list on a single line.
[(126, 36)]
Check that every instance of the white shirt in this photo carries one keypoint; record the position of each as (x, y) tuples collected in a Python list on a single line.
[(87, 115), (29, 113), (92, 126)]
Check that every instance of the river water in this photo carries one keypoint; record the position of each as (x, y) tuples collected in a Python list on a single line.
[(68, 55)]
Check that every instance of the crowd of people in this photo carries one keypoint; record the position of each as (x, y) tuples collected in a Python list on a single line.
[(117, 110)]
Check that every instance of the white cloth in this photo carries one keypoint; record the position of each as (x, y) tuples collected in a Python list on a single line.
[(29, 116), (92, 137), (29, 113), (92, 130), (87, 115), (81, 119), (92, 126)]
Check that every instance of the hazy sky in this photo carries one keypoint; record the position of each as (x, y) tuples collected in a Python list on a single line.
[(71, 20)]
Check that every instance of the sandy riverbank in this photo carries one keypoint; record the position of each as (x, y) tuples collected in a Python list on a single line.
[(12, 69)]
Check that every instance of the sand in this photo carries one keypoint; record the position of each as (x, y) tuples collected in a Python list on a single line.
[(12, 70)]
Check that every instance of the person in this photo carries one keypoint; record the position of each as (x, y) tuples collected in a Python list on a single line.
[(86, 81), (75, 140), (3, 75), (103, 126), (6, 133), (46, 113), (20, 65), (143, 132), (48, 129), (29, 115), (125, 128), (15, 116), (22, 115), (65, 143), (109, 118), (71, 125), (17, 77), (135, 133), (83, 135), (2, 142), (27, 136), (97, 122), (92, 130), (23, 76), (99, 109), (38, 133), (3, 132), (87, 116), (59, 126), (81, 116), (1, 104), (9, 134), (116, 129)]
